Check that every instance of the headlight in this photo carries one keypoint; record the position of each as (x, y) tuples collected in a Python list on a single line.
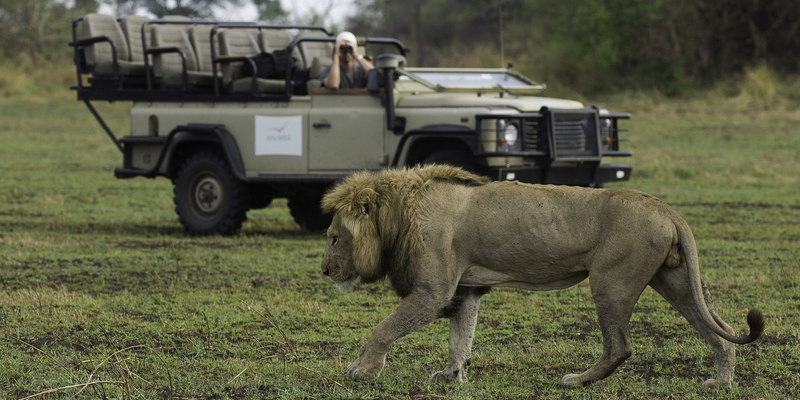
[(511, 134), (507, 135), (605, 132)]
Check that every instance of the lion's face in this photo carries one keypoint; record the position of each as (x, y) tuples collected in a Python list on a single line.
[(365, 201), (337, 263)]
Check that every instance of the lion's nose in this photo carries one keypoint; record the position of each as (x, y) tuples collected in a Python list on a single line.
[(325, 272)]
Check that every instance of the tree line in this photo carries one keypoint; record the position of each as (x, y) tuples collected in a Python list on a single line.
[(589, 45), (40, 29), (597, 44)]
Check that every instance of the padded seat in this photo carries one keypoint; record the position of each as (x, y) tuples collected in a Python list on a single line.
[(168, 64), (320, 50), (99, 31), (313, 75), (279, 39), (235, 47), (132, 29), (199, 35)]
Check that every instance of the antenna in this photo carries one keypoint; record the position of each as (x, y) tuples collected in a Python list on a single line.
[(502, 45)]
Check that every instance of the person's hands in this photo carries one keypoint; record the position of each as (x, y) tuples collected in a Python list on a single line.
[(336, 48), (337, 53)]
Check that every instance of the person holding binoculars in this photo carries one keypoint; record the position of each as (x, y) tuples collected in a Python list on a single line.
[(353, 67)]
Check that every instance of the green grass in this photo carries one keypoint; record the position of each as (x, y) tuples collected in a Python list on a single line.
[(99, 283)]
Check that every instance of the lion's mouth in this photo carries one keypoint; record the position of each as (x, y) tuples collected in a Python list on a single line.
[(346, 285)]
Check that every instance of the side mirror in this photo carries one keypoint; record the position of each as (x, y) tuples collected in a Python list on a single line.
[(385, 61), (386, 64)]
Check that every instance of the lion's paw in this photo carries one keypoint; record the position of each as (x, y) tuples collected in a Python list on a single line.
[(449, 376), (360, 371), (572, 379), (715, 384)]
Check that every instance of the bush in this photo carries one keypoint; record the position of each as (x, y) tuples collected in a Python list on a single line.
[(21, 79)]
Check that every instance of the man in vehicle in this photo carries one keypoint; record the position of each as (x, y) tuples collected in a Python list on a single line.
[(352, 67)]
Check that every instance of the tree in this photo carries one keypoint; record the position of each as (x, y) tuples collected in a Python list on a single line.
[(39, 28), (271, 11), (595, 45), (433, 28), (199, 9)]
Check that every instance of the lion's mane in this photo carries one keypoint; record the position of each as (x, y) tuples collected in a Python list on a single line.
[(380, 210)]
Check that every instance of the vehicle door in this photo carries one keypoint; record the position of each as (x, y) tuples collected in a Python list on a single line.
[(346, 130)]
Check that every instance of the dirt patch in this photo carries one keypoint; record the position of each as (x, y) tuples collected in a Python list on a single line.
[(779, 340), (415, 394), (272, 280), (142, 245), (686, 367)]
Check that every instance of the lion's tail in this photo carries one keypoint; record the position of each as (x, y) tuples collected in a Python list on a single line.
[(755, 320)]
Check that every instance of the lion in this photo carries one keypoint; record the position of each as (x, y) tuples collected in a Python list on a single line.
[(443, 237)]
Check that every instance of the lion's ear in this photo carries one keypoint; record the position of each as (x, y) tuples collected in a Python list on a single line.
[(365, 200)]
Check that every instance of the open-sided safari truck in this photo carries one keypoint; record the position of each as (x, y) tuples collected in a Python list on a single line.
[(234, 115)]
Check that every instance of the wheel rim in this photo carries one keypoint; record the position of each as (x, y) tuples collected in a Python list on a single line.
[(207, 196)]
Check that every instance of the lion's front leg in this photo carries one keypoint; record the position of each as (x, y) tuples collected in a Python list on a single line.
[(413, 313), (462, 333), (367, 365)]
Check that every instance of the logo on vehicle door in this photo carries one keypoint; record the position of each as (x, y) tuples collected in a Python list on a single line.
[(279, 136)]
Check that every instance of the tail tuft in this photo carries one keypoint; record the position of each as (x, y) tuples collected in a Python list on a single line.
[(755, 320)]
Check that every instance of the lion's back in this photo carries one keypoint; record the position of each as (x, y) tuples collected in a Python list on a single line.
[(500, 214)]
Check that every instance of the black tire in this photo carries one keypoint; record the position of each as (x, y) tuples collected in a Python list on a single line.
[(455, 157), (305, 208), (208, 197)]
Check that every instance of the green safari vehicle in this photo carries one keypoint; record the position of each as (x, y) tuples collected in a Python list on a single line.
[(232, 137)]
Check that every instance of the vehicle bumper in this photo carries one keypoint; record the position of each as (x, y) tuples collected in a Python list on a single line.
[(564, 175)]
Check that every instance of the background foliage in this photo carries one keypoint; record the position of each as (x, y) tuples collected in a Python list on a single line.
[(38, 29), (596, 44), (589, 46), (160, 8)]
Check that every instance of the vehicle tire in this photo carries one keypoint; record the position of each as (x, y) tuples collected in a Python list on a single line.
[(455, 157), (208, 197), (305, 208)]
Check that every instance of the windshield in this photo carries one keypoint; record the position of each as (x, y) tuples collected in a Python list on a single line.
[(471, 79)]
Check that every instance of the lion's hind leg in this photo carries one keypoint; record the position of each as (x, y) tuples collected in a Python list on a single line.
[(614, 305), (463, 317), (674, 286)]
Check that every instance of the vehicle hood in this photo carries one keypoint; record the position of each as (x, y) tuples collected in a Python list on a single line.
[(520, 103)]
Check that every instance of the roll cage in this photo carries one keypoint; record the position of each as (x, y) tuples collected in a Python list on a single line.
[(117, 86)]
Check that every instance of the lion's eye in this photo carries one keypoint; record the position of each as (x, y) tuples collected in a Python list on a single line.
[(334, 240)]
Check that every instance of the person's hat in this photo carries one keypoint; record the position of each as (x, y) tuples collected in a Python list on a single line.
[(348, 37)]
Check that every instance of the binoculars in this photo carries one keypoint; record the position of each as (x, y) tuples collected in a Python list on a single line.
[(345, 48)]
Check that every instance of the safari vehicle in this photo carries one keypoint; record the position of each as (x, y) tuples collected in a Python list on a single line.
[(232, 137)]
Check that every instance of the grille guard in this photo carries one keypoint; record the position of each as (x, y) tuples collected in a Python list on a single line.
[(569, 135)]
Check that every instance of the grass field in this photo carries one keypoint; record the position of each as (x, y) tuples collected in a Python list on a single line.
[(103, 296)]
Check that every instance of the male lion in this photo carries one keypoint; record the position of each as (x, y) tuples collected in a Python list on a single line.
[(444, 236)]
